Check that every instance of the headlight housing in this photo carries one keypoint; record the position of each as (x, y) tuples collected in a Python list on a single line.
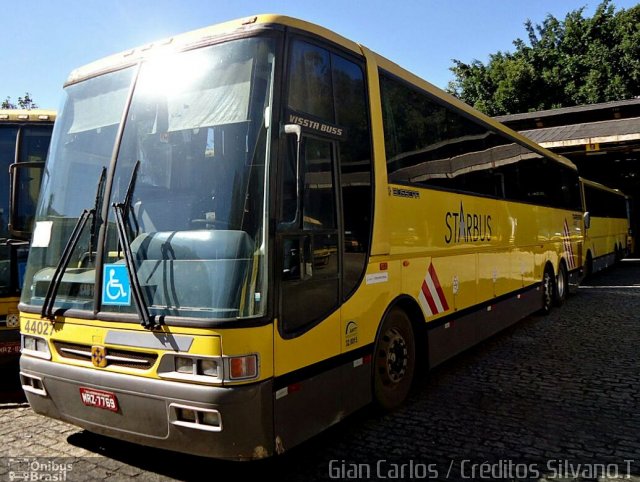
[(35, 346), (209, 369)]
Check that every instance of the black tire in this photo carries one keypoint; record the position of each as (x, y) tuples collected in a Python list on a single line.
[(588, 266), (561, 288), (548, 291), (394, 360)]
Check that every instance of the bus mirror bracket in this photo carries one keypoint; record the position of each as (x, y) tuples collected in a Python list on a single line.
[(296, 130), (587, 220)]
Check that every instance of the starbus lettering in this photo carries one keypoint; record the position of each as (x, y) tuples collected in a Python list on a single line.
[(467, 227)]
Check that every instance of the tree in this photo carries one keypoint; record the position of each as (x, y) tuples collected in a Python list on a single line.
[(25, 102), (575, 61)]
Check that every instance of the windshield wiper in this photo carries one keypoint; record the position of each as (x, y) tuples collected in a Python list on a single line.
[(121, 210), (126, 204), (96, 220), (65, 257)]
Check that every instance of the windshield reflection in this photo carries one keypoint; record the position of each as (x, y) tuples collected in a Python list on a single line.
[(195, 214)]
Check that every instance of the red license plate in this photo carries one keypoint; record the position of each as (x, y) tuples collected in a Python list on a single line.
[(10, 348), (99, 398)]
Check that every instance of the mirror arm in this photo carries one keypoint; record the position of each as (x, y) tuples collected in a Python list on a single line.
[(296, 130)]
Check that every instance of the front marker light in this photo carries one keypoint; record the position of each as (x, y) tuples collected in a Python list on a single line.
[(187, 415), (243, 367), (184, 365), (196, 418), (211, 418)]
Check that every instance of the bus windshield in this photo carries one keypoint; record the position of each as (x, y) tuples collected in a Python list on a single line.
[(197, 124), (8, 136), (24, 140), (34, 143)]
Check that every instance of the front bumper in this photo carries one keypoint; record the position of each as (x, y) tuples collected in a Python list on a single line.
[(147, 409)]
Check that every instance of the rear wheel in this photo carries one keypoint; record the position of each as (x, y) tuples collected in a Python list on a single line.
[(395, 360), (547, 291), (562, 285)]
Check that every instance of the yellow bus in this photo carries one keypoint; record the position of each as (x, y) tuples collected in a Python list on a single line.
[(607, 229), (24, 140), (250, 231)]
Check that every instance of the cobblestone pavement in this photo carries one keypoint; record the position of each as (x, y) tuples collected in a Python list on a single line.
[(551, 398)]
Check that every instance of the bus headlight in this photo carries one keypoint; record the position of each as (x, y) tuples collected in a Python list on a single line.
[(35, 346), (191, 368), (208, 367), (197, 366), (184, 365)]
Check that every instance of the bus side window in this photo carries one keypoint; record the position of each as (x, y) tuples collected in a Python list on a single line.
[(319, 194), (310, 272), (289, 181)]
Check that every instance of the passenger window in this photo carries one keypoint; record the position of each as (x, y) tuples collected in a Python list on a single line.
[(430, 143), (310, 88), (319, 197)]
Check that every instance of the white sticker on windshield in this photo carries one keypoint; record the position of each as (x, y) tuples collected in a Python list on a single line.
[(42, 234)]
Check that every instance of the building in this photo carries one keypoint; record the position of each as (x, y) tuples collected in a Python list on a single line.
[(603, 140)]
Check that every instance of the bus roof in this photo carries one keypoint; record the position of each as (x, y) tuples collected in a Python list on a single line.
[(209, 34), (201, 37), (602, 187), (27, 115)]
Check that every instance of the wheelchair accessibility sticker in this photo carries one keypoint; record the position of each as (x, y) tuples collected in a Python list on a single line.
[(116, 287)]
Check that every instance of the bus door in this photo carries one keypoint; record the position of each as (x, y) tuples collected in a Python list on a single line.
[(308, 325)]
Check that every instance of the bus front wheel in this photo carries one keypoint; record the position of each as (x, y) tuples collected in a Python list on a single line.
[(394, 360), (588, 266)]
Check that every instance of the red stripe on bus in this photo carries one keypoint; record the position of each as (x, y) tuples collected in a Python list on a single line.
[(429, 298), (436, 282)]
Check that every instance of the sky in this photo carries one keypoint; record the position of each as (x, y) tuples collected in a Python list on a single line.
[(42, 41)]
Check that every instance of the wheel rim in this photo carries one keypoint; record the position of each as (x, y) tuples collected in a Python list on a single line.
[(394, 357), (548, 291)]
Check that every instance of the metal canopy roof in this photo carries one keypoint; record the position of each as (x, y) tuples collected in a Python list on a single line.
[(593, 125), (579, 109), (618, 130)]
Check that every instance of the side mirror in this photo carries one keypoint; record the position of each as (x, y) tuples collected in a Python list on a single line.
[(587, 220)]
